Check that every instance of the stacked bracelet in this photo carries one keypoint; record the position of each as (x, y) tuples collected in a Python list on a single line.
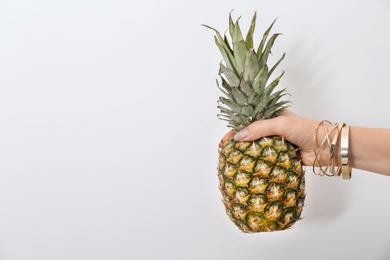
[(346, 170), (338, 130)]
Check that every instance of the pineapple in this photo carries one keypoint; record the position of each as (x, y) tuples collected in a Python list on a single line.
[(262, 182)]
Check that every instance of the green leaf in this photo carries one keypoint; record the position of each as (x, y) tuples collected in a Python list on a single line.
[(267, 50), (249, 36), (254, 98), (247, 110), (224, 48), (251, 67), (239, 45), (234, 30), (233, 78), (246, 88), (225, 89), (231, 104), (263, 41), (261, 80), (239, 97), (240, 52), (272, 85), (276, 64)]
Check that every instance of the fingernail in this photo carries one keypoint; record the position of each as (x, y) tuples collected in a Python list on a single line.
[(241, 135)]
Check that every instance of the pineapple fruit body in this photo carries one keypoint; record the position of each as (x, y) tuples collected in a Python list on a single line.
[(262, 183)]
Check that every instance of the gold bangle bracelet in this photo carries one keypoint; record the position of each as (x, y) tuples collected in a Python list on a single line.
[(330, 169), (346, 170)]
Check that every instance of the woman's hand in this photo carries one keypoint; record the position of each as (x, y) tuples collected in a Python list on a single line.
[(295, 129)]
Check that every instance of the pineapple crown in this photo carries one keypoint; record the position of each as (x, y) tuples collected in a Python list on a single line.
[(244, 76)]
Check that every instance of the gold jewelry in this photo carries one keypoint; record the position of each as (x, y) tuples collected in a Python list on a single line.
[(333, 169), (346, 170), (330, 169)]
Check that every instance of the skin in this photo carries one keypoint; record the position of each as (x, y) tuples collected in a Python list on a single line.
[(369, 148)]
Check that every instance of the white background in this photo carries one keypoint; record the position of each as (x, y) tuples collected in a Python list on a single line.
[(108, 128)]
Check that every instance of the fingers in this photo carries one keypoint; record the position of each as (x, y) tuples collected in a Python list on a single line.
[(228, 135), (274, 126), (259, 129)]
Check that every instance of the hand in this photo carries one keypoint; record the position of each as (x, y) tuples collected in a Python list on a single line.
[(295, 129)]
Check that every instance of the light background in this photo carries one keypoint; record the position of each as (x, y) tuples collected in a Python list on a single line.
[(109, 134)]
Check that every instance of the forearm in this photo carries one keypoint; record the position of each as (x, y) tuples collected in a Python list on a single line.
[(369, 149)]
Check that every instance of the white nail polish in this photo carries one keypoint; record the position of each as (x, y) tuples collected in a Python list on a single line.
[(241, 135)]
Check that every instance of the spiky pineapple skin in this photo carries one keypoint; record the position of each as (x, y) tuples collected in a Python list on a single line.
[(262, 183)]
